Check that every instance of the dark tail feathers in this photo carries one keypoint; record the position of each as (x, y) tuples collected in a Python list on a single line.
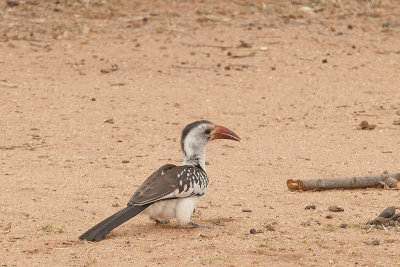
[(100, 230)]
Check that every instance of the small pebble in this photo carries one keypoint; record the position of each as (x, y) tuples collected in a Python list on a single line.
[(343, 225), (307, 223), (375, 242), (246, 210), (125, 161), (324, 60), (310, 207), (388, 212), (253, 231), (329, 216), (335, 209), (12, 3), (364, 125), (269, 227)]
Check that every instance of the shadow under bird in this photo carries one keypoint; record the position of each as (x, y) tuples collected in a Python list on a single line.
[(171, 191)]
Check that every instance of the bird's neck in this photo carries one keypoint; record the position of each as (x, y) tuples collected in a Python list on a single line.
[(195, 158)]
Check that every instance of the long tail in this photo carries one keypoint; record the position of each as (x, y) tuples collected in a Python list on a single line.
[(100, 230)]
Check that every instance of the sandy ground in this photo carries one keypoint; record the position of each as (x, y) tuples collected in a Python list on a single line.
[(293, 79)]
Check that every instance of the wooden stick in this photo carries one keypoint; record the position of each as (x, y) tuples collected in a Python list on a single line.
[(385, 179)]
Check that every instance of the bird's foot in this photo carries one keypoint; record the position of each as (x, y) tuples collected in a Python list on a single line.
[(160, 222), (195, 225)]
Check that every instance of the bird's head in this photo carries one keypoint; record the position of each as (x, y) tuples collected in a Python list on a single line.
[(196, 134)]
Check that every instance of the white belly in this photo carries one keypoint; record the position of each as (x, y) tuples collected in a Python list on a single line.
[(165, 210)]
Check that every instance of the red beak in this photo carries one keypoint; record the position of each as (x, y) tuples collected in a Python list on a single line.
[(221, 132)]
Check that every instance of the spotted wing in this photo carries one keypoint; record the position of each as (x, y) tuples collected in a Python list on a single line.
[(170, 182)]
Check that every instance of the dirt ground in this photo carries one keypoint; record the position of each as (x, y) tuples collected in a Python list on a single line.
[(94, 95)]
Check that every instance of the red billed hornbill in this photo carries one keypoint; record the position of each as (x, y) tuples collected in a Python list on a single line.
[(171, 191)]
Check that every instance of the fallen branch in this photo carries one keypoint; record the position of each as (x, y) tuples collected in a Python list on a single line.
[(381, 180)]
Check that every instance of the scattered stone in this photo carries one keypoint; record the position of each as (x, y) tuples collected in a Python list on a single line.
[(396, 122), (12, 3), (111, 121), (125, 161), (364, 125), (396, 217), (375, 242), (115, 205), (269, 227), (324, 60), (310, 207), (389, 241), (307, 223), (93, 99), (253, 231), (114, 67), (343, 225), (380, 221), (246, 210), (329, 216), (244, 44), (350, 27), (237, 204), (389, 212), (335, 209)]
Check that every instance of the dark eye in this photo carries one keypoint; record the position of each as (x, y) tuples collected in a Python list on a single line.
[(208, 131)]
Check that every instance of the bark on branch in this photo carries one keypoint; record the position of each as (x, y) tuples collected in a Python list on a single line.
[(380, 180)]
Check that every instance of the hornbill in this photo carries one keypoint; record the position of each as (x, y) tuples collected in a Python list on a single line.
[(171, 191)]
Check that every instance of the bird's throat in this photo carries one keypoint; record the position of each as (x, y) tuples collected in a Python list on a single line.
[(198, 159)]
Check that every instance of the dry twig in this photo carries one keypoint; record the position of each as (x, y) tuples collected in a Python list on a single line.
[(389, 180)]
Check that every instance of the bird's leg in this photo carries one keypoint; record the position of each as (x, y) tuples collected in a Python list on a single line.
[(158, 222), (195, 225)]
